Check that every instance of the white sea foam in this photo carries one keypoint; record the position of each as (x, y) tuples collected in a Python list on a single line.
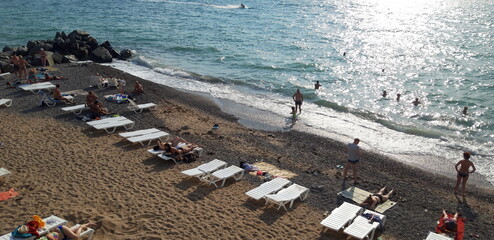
[(321, 120)]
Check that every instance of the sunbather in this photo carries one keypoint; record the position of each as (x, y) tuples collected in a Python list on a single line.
[(449, 223), (48, 77), (98, 107), (64, 232), (58, 95), (375, 199), (180, 142)]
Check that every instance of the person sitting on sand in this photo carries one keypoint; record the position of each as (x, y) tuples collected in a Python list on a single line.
[(32, 76), (98, 108), (64, 232), (48, 77), (138, 89), (90, 98), (58, 95), (375, 199)]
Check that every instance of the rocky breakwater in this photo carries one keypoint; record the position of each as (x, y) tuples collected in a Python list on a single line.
[(76, 46)]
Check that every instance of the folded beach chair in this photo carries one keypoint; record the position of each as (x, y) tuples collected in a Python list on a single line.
[(4, 175), (138, 108), (142, 136), (205, 168), (287, 195), (111, 124), (223, 174), (75, 109), (341, 216), (52, 101), (362, 228), (435, 236), (268, 188), (94, 81), (51, 223), (5, 102)]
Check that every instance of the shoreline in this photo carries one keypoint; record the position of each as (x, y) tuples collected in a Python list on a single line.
[(217, 213)]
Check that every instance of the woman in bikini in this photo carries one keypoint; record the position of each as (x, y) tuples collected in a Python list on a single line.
[(375, 199), (66, 233)]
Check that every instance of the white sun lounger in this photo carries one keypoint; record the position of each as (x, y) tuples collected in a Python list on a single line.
[(361, 228), (287, 195), (148, 137), (4, 175), (223, 174), (138, 108), (51, 223), (38, 87), (205, 168), (268, 188), (5, 102), (51, 101), (341, 216), (111, 124), (435, 236), (88, 233), (142, 136), (75, 109)]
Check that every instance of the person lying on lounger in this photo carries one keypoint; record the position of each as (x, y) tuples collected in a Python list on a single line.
[(375, 199), (58, 95), (64, 232)]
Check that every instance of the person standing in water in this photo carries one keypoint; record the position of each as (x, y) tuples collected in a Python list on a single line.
[(317, 85), (298, 98), (465, 109)]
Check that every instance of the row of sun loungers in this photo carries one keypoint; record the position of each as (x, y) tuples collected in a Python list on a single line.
[(51, 223), (111, 124), (349, 217), (146, 135)]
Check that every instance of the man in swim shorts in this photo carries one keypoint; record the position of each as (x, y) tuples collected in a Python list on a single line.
[(353, 151), (298, 98), (463, 169)]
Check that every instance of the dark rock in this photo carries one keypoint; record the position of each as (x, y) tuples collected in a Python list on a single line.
[(125, 54), (110, 49), (69, 58), (22, 51), (100, 55), (9, 49), (57, 58), (64, 36), (6, 67), (92, 43)]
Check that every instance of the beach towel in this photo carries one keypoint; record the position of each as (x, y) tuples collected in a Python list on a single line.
[(9, 194), (460, 226), (358, 195), (117, 98)]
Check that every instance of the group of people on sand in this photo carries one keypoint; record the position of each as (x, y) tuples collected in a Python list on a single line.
[(463, 168)]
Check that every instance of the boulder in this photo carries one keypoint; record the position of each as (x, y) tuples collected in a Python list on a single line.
[(110, 49), (36, 60), (6, 67), (9, 49), (69, 58), (22, 51), (100, 55), (57, 58), (125, 54)]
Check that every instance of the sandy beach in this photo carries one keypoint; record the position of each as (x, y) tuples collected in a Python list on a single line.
[(60, 166)]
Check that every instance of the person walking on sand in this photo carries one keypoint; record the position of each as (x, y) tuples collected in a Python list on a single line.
[(463, 172), (298, 98), (353, 151)]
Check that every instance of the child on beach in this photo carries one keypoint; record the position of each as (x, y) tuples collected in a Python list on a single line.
[(463, 172), (294, 114)]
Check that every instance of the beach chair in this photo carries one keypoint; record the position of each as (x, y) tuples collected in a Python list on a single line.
[(5, 102), (87, 234), (4, 175), (138, 108), (361, 227), (142, 136), (95, 81), (268, 188), (111, 124), (75, 109), (341, 216), (287, 195), (223, 174), (205, 168), (38, 87), (51, 223), (50, 102), (435, 236)]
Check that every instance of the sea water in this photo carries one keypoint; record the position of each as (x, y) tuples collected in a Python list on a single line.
[(440, 51)]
